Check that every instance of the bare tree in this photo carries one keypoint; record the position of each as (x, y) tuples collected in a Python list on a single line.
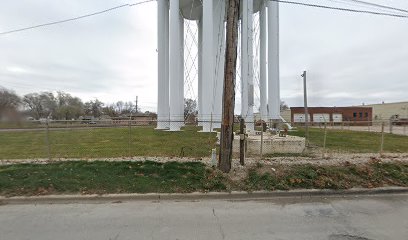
[(93, 108), (119, 106), (190, 107), (110, 110), (129, 107), (9, 102), (40, 105), (283, 106), (68, 107)]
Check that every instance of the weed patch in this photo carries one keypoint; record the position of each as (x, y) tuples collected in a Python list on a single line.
[(328, 177), (102, 177)]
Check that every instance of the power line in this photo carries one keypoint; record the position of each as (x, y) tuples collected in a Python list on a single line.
[(380, 6), (342, 9), (359, 5), (75, 18), (281, 1)]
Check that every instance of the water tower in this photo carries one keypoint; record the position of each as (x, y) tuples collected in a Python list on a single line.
[(210, 18)]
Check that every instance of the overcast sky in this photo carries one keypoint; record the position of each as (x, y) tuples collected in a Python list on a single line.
[(350, 58)]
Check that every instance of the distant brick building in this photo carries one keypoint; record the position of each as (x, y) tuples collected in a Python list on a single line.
[(333, 115)]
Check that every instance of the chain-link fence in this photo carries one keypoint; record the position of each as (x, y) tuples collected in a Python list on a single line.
[(390, 126), (99, 139), (323, 139)]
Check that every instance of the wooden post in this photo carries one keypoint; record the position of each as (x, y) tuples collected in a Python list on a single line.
[(228, 103), (242, 142)]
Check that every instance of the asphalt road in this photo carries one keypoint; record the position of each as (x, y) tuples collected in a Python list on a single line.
[(359, 218)]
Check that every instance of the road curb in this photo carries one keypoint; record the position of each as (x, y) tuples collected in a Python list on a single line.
[(198, 196)]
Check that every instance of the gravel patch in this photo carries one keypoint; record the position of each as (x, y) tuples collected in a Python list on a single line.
[(333, 159)]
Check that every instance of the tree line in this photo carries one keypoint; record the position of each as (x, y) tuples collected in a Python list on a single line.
[(59, 106), (64, 106)]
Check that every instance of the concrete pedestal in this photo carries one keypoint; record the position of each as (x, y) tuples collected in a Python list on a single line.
[(271, 144)]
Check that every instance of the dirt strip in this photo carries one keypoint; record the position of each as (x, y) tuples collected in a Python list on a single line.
[(333, 159)]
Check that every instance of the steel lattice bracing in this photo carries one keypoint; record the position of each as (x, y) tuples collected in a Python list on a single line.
[(194, 58)]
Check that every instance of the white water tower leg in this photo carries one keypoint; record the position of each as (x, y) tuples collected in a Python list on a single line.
[(163, 61), (262, 63), (219, 59), (200, 71), (247, 84), (207, 64), (273, 61), (176, 68)]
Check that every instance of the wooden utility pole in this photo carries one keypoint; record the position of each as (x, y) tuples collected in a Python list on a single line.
[(228, 102), (242, 142)]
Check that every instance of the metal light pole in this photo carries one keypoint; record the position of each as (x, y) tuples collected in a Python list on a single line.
[(306, 111)]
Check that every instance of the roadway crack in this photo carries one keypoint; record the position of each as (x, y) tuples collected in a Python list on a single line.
[(346, 237), (115, 238), (221, 230), (343, 219)]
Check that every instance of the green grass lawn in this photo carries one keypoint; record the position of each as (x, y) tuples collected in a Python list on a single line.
[(106, 142), (353, 141), (145, 141), (105, 177)]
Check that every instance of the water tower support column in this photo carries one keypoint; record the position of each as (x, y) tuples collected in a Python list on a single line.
[(163, 64), (219, 59), (207, 64), (273, 62), (200, 71), (247, 68), (262, 63), (176, 67)]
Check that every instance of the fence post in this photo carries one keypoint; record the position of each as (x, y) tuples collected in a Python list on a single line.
[(368, 125), (242, 142), (211, 122), (47, 139), (130, 135), (390, 125), (382, 139), (324, 140), (262, 131)]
